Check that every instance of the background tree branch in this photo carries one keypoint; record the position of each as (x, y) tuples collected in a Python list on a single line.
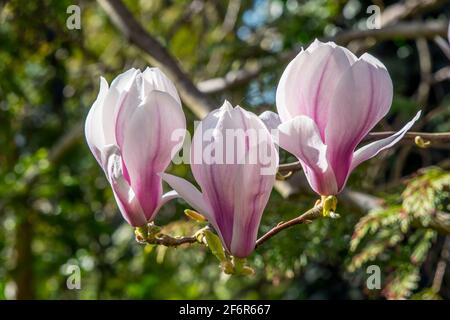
[(199, 103)]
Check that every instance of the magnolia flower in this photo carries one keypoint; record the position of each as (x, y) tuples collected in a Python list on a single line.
[(129, 130), (235, 171), (328, 100)]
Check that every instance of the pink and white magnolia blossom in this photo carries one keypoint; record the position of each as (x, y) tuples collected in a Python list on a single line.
[(129, 130), (328, 100), (236, 177)]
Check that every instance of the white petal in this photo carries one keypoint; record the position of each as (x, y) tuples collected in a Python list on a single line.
[(270, 119), (123, 81), (166, 197), (372, 149), (125, 197), (127, 104), (94, 125), (300, 136), (307, 82), (189, 193), (116, 97), (149, 144), (155, 79)]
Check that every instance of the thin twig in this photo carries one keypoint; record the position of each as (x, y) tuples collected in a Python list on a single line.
[(433, 137), (155, 237), (170, 241), (406, 9), (307, 217), (441, 266), (426, 69), (404, 30)]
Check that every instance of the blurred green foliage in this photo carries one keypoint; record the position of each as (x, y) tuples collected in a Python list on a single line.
[(62, 213)]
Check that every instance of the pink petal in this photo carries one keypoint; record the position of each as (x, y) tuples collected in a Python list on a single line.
[(301, 137), (257, 172), (249, 207), (209, 166), (236, 211), (362, 97), (202, 152), (148, 146), (372, 149), (165, 198), (190, 194), (126, 200), (307, 82)]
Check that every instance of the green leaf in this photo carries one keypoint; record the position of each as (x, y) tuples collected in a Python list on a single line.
[(215, 245)]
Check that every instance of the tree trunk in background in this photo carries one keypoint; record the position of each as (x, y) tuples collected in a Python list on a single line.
[(23, 275)]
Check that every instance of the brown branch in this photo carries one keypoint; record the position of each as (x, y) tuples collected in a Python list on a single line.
[(231, 16), (407, 30), (151, 234), (24, 259), (170, 241), (441, 266), (404, 30), (289, 167), (443, 45), (390, 28), (426, 69), (440, 221), (442, 74), (442, 137), (65, 143), (307, 217), (391, 16), (198, 102), (407, 9), (193, 8), (231, 80)]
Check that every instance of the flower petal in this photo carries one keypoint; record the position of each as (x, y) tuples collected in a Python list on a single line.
[(372, 149), (305, 85), (93, 128), (214, 172), (123, 81), (256, 170), (126, 200), (362, 97), (148, 145), (225, 155), (270, 119), (301, 137), (155, 79), (190, 194), (166, 197), (127, 104), (249, 206), (117, 95), (204, 140)]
